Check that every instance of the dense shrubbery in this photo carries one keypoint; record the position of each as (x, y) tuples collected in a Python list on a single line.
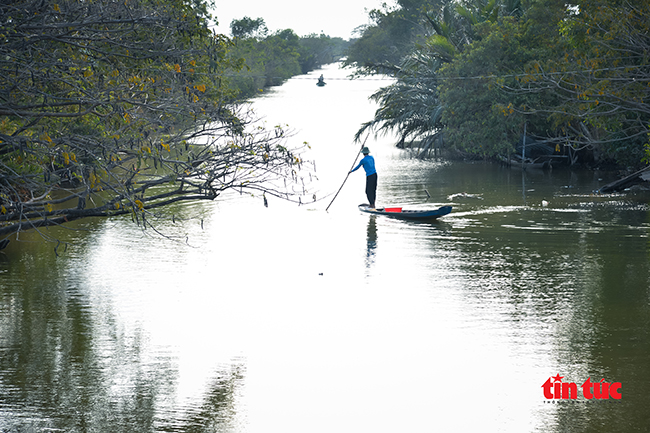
[(574, 76)]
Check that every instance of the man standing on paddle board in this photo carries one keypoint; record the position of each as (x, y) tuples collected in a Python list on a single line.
[(368, 163)]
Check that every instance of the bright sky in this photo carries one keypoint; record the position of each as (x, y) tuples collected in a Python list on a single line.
[(333, 17)]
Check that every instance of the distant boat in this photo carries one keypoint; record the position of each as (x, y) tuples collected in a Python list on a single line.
[(398, 212)]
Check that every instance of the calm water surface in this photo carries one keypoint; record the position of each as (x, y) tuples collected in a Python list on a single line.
[(291, 319)]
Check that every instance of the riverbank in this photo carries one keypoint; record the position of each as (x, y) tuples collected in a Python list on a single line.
[(628, 177)]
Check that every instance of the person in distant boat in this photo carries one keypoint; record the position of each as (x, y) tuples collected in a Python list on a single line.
[(368, 163), (321, 79)]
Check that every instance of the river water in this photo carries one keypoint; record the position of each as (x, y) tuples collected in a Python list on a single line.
[(249, 319)]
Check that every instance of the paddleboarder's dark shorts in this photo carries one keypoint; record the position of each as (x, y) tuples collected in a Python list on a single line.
[(371, 188)]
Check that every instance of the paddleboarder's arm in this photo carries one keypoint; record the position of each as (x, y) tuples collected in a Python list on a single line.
[(368, 163), (357, 167)]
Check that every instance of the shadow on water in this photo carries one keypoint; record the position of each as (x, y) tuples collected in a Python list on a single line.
[(565, 271), (574, 265), (68, 363)]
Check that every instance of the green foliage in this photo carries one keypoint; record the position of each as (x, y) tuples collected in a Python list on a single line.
[(429, 96), (484, 114), (270, 60), (390, 37), (410, 107), (102, 102), (605, 74), (248, 28), (317, 50), (576, 76), (97, 78), (442, 47)]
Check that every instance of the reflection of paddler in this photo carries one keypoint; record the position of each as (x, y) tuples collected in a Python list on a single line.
[(368, 163)]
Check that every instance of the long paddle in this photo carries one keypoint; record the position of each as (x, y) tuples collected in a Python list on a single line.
[(346, 177)]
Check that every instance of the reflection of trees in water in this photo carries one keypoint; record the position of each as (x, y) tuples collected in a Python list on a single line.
[(577, 284), (218, 412), (66, 365)]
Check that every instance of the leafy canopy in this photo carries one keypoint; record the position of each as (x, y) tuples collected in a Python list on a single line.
[(109, 108)]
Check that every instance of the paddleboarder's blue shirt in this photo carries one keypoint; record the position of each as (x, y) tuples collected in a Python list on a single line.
[(368, 163)]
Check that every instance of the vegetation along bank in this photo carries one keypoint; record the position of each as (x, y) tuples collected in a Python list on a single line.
[(568, 81), (111, 108)]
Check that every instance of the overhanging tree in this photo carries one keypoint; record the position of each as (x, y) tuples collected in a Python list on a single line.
[(416, 105), (578, 75), (410, 107), (483, 115), (603, 82), (110, 108)]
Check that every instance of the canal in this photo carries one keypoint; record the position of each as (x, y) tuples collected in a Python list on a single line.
[(243, 318)]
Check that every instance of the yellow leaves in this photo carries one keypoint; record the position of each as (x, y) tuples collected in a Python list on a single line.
[(3, 210), (117, 205), (536, 67), (67, 157), (165, 145), (195, 98), (56, 7), (48, 207), (7, 126), (139, 204), (45, 137), (88, 72), (175, 67)]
